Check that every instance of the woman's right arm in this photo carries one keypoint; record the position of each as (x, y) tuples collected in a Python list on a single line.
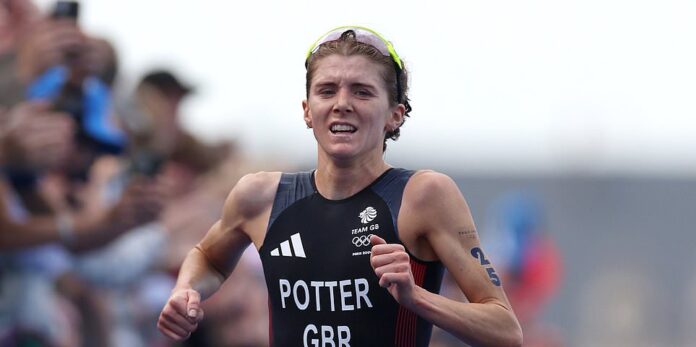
[(207, 265), (200, 277)]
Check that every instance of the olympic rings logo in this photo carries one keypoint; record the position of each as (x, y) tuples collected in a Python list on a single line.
[(361, 241)]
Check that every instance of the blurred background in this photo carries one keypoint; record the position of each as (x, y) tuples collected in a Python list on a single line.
[(567, 125)]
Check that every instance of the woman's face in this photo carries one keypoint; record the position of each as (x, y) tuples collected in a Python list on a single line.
[(348, 107)]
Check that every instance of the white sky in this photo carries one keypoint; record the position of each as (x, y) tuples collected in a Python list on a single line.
[(592, 86)]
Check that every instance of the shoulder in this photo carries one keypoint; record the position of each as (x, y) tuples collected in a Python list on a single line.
[(433, 203), (253, 194), (426, 186), (433, 211), (257, 180)]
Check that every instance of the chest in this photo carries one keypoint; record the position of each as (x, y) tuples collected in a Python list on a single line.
[(318, 237)]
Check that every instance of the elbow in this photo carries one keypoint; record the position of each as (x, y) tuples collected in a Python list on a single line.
[(512, 339), (505, 337), (515, 336), (512, 336)]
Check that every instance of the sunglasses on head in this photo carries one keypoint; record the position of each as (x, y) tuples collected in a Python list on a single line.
[(362, 35)]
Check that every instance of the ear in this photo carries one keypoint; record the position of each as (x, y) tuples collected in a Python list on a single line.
[(396, 118), (307, 113)]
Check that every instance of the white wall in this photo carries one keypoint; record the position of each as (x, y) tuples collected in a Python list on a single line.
[(593, 86)]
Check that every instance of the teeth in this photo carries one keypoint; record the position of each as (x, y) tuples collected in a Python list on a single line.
[(342, 127)]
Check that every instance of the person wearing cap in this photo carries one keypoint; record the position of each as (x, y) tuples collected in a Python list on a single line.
[(156, 128), (354, 250)]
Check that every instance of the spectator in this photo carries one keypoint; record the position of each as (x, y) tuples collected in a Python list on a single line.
[(49, 190)]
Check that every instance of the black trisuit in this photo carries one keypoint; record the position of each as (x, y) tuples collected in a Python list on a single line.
[(316, 259)]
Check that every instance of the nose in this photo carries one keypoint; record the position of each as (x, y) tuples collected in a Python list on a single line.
[(343, 101)]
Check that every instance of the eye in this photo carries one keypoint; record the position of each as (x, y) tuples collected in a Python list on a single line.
[(326, 91), (363, 92)]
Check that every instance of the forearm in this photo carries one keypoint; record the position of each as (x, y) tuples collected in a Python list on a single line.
[(74, 231), (38, 231), (198, 273), (479, 324), (91, 232)]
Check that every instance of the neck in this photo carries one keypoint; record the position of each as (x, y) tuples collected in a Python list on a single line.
[(339, 180)]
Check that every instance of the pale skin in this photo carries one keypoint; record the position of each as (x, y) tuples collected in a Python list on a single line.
[(434, 221)]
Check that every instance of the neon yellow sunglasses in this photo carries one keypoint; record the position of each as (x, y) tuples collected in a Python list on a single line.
[(362, 35)]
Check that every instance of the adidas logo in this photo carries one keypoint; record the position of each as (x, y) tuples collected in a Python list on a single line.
[(287, 250), (367, 215)]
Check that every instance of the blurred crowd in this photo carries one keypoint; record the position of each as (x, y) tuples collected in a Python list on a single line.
[(102, 195)]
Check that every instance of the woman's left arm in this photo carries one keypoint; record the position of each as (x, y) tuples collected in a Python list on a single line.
[(435, 222)]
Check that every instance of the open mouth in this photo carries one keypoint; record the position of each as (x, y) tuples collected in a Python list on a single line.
[(343, 129)]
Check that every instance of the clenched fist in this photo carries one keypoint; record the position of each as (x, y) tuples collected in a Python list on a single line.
[(393, 267), (181, 314)]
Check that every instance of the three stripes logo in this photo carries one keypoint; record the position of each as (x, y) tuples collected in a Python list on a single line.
[(367, 215), (290, 248)]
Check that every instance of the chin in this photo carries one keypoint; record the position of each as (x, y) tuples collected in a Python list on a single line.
[(341, 151), (342, 154)]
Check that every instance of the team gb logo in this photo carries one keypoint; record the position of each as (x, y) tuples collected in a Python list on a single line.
[(368, 215)]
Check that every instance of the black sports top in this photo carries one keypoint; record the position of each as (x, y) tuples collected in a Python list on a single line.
[(316, 259)]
